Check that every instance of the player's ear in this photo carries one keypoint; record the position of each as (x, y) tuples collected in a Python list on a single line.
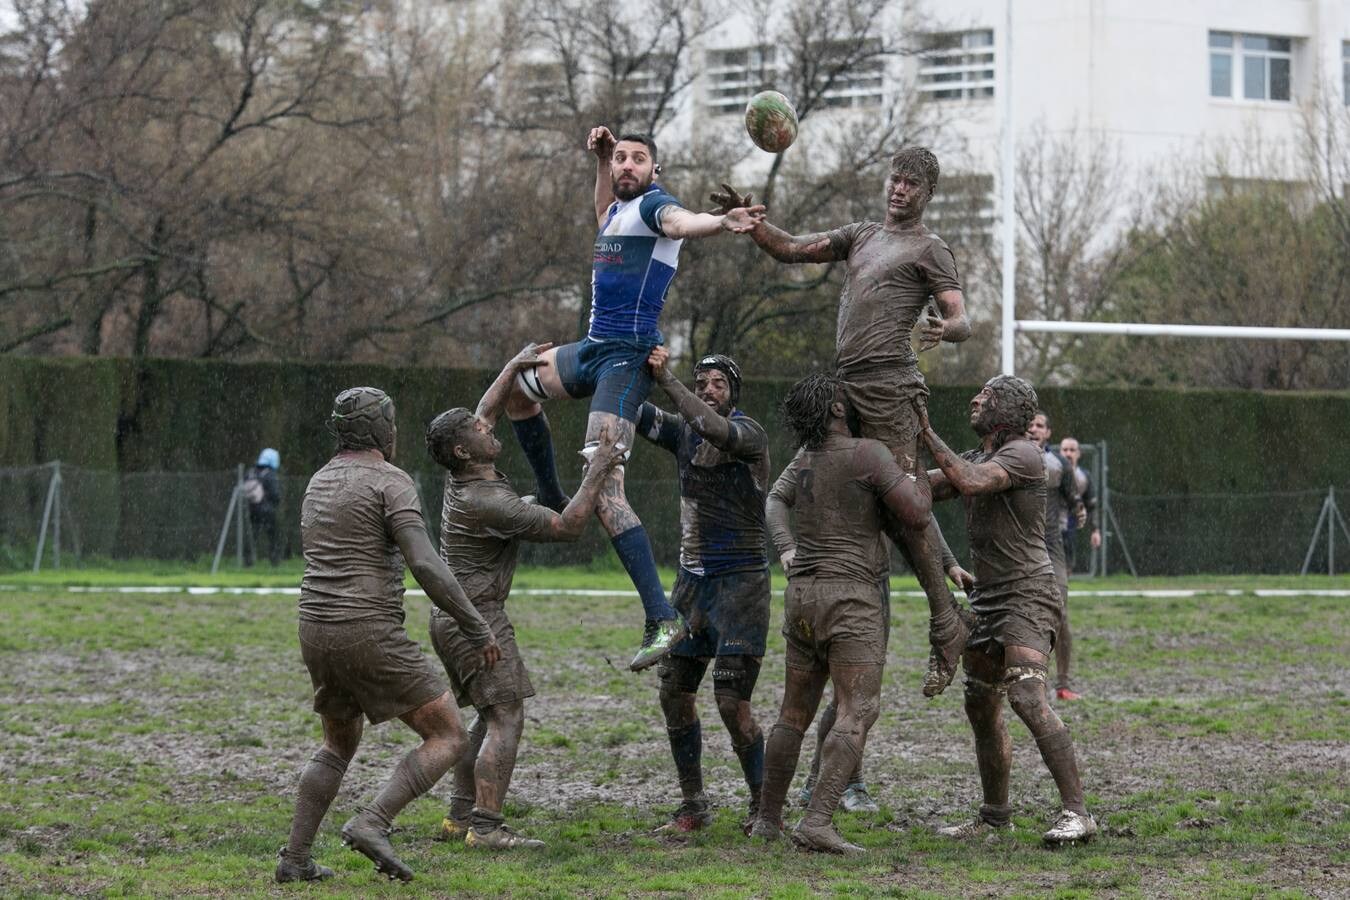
[(656, 169)]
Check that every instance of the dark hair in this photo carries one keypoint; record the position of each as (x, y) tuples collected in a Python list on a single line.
[(806, 409), (645, 139), (918, 161), (1045, 415), (444, 432)]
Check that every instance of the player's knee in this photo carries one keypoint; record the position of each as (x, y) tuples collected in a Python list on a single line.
[(1026, 692), (507, 719), (734, 679)]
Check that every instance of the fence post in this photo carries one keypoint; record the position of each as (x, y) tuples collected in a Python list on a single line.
[(239, 517), (225, 529), (56, 516), (1331, 530), (53, 491), (1105, 511)]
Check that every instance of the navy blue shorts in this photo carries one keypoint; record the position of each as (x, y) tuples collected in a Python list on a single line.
[(614, 371), (728, 615)]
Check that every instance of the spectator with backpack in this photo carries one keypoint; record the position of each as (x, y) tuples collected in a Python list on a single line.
[(262, 490)]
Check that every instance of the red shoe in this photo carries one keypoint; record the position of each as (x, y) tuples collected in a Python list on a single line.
[(1067, 694)]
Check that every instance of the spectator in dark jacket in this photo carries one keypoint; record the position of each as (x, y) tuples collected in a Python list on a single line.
[(262, 489)]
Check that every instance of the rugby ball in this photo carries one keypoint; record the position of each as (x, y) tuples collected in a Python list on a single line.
[(771, 121)]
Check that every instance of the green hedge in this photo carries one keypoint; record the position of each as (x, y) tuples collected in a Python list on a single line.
[(201, 416)]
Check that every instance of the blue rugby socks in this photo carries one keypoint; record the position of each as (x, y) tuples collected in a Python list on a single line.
[(635, 552), (537, 441)]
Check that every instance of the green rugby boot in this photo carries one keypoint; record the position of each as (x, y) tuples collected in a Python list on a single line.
[(658, 638)]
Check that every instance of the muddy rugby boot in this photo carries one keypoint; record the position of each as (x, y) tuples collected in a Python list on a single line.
[(1070, 828), (766, 830), (452, 829), (503, 837), (857, 800), (944, 658), (372, 842), (693, 815), (823, 839), (659, 636), (975, 828), (308, 871)]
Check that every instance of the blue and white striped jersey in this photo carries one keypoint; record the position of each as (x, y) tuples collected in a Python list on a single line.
[(633, 266)]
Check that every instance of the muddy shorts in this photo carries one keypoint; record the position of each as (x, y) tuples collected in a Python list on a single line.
[(832, 620), (369, 667), (473, 685), (613, 372), (884, 401), (1023, 613), (728, 615)]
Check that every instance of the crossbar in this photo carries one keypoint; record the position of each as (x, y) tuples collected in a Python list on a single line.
[(1144, 329)]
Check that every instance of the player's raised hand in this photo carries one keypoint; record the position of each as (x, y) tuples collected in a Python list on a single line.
[(530, 355), (727, 199), (657, 361), (600, 141), (743, 219)]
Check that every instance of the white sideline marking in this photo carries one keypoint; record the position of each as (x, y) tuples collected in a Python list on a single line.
[(598, 592)]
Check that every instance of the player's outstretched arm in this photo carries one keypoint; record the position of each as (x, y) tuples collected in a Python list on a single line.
[(789, 248), (782, 497), (494, 398), (600, 141), (571, 522), (678, 223), (443, 588), (965, 476), (701, 417)]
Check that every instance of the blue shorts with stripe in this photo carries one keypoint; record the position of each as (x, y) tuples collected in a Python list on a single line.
[(613, 372)]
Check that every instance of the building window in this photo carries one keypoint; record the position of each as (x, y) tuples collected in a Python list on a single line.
[(1249, 66), (962, 210), (735, 75), (645, 90), (958, 65), (862, 84)]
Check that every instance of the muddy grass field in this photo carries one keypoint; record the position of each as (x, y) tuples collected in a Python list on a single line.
[(150, 744)]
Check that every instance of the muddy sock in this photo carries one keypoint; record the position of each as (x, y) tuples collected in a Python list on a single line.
[(752, 764), (780, 764), (840, 756), (409, 781), (998, 816), (460, 808), (486, 821), (993, 757), (686, 745), (537, 441), (319, 784), (635, 552), (1057, 751)]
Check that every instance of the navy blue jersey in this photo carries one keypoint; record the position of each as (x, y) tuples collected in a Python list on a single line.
[(722, 491), (633, 265)]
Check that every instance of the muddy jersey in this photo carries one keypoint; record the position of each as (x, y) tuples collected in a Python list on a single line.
[(1007, 529), (891, 274), (722, 491), (1061, 494), (352, 509), (482, 524), (835, 495)]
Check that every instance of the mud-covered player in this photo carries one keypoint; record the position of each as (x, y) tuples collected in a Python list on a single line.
[(482, 524), (839, 489), (722, 589), (359, 521), (1016, 601)]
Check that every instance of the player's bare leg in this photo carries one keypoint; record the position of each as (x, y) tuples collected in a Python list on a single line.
[(857, 693), (492, 769), (801, 697), (1024, 675), (1064, 655), (993, 746), (443, 740), (319, 784), (457, 821), (664, 626), (532, 430)]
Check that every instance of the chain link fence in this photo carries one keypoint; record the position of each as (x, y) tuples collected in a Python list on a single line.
[(60, 516)]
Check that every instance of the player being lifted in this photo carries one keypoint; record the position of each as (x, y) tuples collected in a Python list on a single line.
[(482, 525), (894, 267), (1017, 602), (635, 256), (840, 490), (723, 585)]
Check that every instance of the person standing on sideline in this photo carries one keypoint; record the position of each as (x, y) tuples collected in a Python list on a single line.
[(262, 490), (1061, 499)]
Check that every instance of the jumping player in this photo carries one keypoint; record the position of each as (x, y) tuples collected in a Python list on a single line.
[(482, 525), (835, 621), (894, 267), (1061, 499), (636, 252), (1016, 602), (359, 521), (723, 585)]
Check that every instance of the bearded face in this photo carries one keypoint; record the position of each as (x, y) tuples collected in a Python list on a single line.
[(631, 170)]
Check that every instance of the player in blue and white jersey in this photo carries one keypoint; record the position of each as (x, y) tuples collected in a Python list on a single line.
[(634, 260)]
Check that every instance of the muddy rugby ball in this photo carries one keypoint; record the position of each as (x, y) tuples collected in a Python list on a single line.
[(771, 121)]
